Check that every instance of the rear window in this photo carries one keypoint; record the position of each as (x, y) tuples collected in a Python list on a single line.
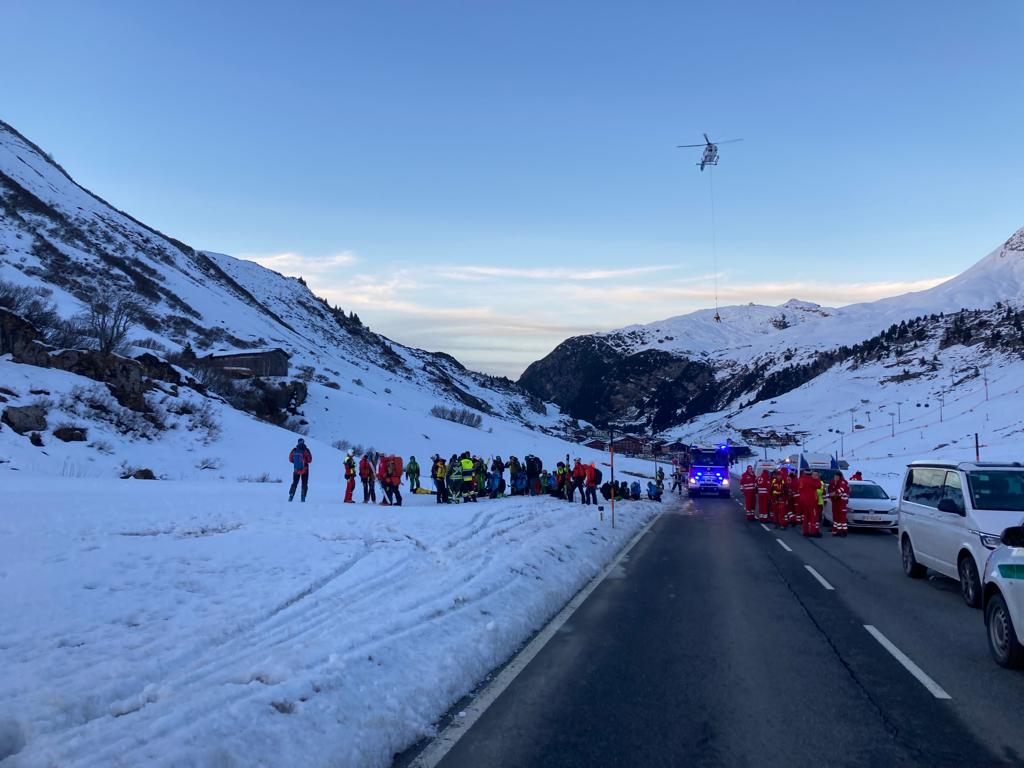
[(997, 489), (867, 492)]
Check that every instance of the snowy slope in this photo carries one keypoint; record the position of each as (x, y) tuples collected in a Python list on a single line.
[(749, 331), (57, 236)]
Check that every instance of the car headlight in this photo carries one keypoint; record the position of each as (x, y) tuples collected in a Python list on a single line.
[(725, 482), (693, 481), (990, 541)]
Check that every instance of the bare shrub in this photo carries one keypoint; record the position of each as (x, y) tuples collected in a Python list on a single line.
[(210, 462), (458, 415), (108, 319), (31, 303), (260, 478), (95, 403)]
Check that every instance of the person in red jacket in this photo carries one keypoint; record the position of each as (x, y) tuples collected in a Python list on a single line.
[(792, 494), (590, 496), (839, 492), (366, 475), (780, 497), (809, 487), (748, 484), (300, 458), (394, 468), (350, 477), (763, 484), (579, 476)]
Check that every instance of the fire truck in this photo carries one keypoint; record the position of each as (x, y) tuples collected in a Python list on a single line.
[(709, 470)]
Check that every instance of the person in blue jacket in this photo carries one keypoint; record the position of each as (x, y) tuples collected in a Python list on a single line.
[(300, 458)]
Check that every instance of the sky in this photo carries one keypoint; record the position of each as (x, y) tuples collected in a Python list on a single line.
[(488, 178)]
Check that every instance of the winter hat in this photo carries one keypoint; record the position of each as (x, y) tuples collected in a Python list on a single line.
[(349, 451), (301, 441)]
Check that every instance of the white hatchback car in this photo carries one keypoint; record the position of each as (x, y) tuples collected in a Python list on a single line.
[(952, 514), (869, 507), (1004, 600)]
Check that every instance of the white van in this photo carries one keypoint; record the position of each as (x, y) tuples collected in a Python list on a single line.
[(951, 517)]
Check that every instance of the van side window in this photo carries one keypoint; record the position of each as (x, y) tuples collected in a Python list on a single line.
[(924, 486), (953, 490)]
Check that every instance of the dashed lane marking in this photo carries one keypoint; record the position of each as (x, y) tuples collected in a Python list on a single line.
[(820, 578), (766, 528), (934, 688), (784, 545)]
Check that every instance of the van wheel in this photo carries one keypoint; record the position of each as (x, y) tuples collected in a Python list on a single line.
[(1002, 638), (970, 584), (911, 567)]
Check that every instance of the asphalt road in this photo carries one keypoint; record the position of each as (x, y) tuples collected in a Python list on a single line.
[(713, 645)]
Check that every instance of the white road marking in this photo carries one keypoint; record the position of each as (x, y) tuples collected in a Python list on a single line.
[(820, 578), (767, 529), (934, 688), (784, 545), (449, 737)]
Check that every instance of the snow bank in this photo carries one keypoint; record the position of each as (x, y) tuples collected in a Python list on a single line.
[(189, 623)]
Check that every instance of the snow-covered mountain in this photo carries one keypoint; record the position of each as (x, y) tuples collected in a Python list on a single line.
[(61, 240), (661, 375)]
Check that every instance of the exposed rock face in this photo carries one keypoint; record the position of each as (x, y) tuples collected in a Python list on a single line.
[(592, 380), (71, 434), (123, 376), (30, 418)]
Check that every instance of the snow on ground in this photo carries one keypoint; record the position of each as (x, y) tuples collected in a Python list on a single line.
[(189, 623)]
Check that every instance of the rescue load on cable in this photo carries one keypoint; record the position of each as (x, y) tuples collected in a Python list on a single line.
[(708, 159)]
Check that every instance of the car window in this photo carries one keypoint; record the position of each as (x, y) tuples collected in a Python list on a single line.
[(924, 486), (867, 492), (952, 490), (997, 489)]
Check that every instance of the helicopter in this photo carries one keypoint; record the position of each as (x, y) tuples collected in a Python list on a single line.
[(710, 156)]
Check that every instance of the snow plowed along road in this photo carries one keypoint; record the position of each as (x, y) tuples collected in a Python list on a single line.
[(190, 623)]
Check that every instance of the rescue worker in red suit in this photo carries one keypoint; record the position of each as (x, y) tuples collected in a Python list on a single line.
[(808, 504), (857, 476), (763, 484), (748, 484), (839, 492), (350, 478), (779, 499), (792, 494)]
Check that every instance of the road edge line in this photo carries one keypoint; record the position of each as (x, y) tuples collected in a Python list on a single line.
[(784, 545), (934, 688), (436, 750)]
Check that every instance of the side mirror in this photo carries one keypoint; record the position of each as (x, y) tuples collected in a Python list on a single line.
[(948, 505), (1013, 537)]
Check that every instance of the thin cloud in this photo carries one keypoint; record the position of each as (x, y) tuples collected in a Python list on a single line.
[(470, 273), (292, 263)]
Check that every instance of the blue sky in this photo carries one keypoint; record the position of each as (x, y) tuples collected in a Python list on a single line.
[(488, 178)]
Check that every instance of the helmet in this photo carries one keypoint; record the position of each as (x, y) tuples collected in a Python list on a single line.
[(349, 450), (301, 441)]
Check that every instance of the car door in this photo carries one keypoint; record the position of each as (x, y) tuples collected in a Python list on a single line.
[(919, 512), (951, 526)]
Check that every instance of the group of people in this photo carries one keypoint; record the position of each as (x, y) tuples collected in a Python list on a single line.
[(465, 478), (788, 499)]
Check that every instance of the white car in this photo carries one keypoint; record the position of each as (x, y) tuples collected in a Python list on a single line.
[(869, 507), (1004, 600), (952, 514)]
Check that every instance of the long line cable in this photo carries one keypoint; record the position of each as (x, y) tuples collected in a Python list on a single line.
[(714, 240)]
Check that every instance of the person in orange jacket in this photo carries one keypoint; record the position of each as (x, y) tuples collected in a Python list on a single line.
[(839, 492), (748, 484), (763, 483)]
